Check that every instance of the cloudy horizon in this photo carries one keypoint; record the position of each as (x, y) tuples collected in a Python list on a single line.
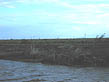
[(53, 18)]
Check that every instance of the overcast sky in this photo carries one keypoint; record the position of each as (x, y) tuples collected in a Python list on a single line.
[(53, 18)]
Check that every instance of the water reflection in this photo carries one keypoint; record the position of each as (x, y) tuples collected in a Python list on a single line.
[(12, 71)]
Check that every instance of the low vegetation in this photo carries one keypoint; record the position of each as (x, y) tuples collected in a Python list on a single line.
[(72, 52)]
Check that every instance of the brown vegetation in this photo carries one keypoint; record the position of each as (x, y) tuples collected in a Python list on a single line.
[(84, 52)]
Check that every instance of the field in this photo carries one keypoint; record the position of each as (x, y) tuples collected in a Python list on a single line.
[(72, 52)]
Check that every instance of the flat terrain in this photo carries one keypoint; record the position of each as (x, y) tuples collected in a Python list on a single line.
[(85, 51)]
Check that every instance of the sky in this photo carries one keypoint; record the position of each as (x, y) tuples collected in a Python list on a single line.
[(21, 19)]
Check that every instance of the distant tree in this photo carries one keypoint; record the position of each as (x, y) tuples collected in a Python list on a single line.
[(97, 36), (102, 36)]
